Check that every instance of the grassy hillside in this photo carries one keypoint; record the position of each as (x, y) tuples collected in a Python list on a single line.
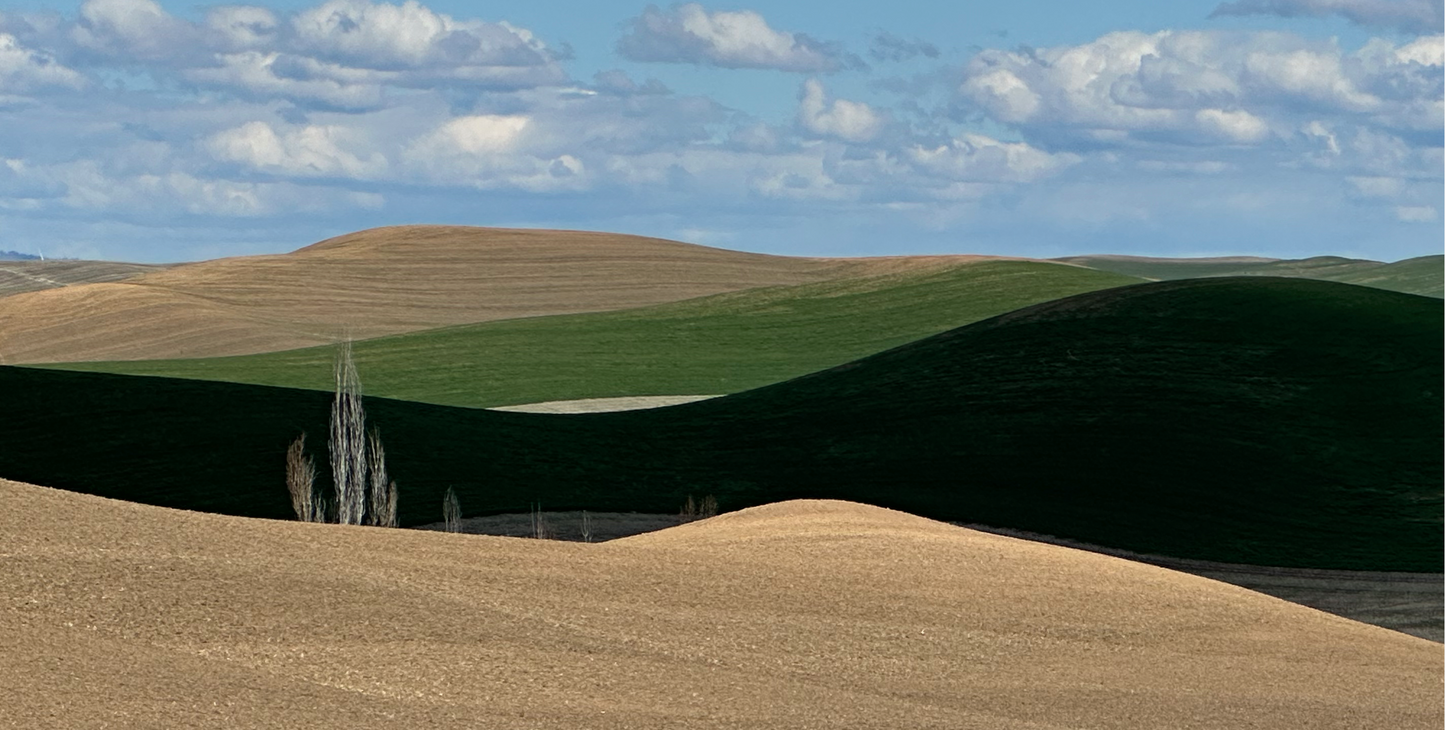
[(1267, 421), (1424, 275), (719, 344)]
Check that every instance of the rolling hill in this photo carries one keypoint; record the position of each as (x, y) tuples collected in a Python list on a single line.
[(725, 343), (1246, 420), (792, 615), (386, 281), (1424, 275)]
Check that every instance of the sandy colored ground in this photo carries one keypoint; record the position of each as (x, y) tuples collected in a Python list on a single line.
[(796, 615), (386, 281), (1407, 602)]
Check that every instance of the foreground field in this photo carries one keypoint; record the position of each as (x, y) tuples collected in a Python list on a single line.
[(803, 614), (1263, 421)]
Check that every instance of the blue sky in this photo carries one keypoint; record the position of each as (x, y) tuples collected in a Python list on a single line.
[(145, 131)]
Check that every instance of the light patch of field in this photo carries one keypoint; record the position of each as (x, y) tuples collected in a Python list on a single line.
[(605, 405), (388, 281), (17, 277), (800, 614)]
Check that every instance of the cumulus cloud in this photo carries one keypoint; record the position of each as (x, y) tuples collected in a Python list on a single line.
[(1198, 87), (340, 54), (310, 150), (26, 69), (743, 39), (977, 158), (850, 121), (1412, 16)]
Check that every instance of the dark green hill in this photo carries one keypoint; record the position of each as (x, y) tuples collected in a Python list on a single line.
[(711, 345), (1424, 275), (1256, 420)]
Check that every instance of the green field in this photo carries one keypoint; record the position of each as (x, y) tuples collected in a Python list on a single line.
[(1424, 275), (719, 344), (1251, 420)]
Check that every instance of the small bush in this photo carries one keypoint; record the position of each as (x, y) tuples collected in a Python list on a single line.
[(452, 511)]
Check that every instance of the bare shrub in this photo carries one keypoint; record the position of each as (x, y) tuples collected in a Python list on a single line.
[(452, 511), (364, 493), (348, 441), (541, 528), (382, 498), (695, 510), (586, 526), (301, 480)]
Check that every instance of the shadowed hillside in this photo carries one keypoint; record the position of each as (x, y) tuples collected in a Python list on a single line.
[(1257, 420), (711, 345)]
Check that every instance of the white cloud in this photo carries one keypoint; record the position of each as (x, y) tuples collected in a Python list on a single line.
[(311, 150), (850, 121), (1416, 214), (254, 74), (24, 69), (1232, 126), (1417, 16), (136, 30), (241, 27), (386, 37), (1197, 88), (690, 34), (976, 158)]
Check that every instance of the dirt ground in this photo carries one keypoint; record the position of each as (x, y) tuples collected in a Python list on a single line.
[(1413, 603), (809, 614)]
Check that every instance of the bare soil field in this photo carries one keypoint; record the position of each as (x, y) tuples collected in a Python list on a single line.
[(387, 281), (18, 277), (1412, 603), (809, 614)]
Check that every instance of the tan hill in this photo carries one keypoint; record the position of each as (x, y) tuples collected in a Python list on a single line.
[(387, 281), (17, 277), (799, 614)]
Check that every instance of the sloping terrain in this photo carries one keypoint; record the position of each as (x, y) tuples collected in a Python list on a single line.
[(1252, 420), (17, 277), (386, 281), (804, 614), (1424, 275), (720, 344)]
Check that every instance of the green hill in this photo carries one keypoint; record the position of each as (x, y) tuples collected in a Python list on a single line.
[(1251, 420), (1424, 275), (719, 344)]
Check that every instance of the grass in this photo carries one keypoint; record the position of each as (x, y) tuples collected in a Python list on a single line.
[(1424, 275), (719, 344), (1251, 420)]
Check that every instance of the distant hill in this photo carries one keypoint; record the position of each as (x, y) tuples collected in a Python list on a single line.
[(17, 256), (1424, 275), (725, 343), (387, 281), (1250, 420)]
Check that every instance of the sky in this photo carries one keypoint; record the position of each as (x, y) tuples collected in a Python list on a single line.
[(152, 131)]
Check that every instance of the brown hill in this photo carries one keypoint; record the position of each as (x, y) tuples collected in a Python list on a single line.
[(386, 281), (800, 614)]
